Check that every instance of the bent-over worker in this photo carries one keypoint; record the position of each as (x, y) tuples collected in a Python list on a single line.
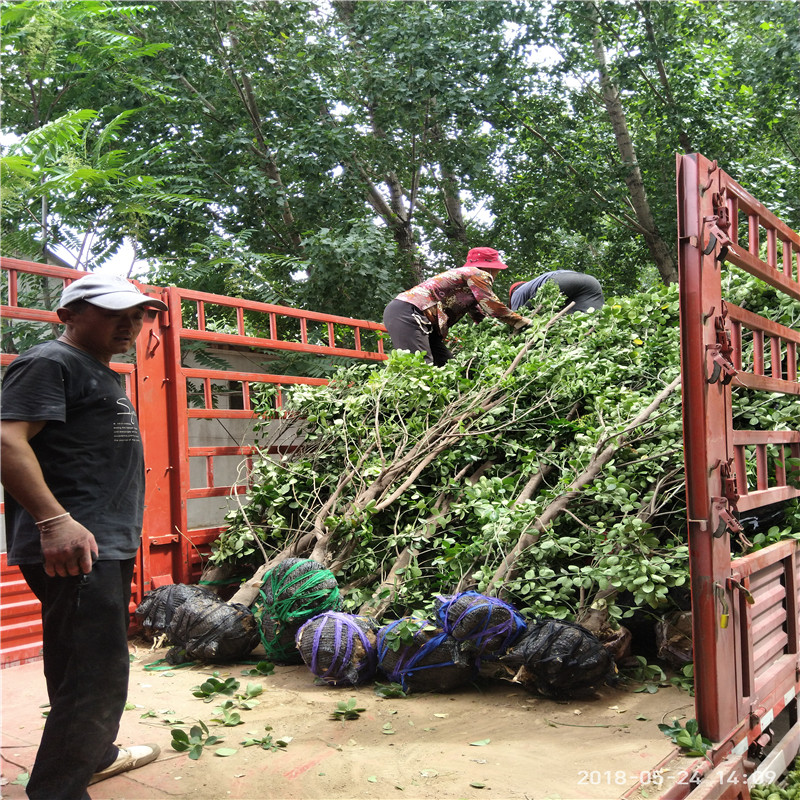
[(420, 318), (577, 287)]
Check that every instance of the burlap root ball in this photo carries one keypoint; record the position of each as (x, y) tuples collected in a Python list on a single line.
[(430, 662), (487, 625), (339, 648), (157, 608)]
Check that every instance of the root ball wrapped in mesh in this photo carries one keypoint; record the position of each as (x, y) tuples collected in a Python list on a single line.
[(158, 607), (559, 659), (293, 591), (339, 648), (421, 657), (297, 589), (208, 629), (488, 625), (278, 639)]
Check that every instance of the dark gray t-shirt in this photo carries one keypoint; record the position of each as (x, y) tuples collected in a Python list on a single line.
[(90, 450)]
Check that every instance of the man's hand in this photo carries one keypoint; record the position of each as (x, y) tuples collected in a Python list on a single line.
[(67, 547)]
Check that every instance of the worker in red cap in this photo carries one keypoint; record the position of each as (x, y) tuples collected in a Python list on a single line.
[(419, 319), (581, 290)]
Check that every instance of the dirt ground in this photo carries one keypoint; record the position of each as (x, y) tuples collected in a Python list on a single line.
[(492, 740)]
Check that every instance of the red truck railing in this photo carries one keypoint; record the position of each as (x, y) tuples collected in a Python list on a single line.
[(745, 610), (196, 419)]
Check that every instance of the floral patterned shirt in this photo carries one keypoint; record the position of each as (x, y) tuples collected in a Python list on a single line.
[(446, 297)]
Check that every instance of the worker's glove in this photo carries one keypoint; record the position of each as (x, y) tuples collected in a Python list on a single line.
[(67, 546), (524, 323)]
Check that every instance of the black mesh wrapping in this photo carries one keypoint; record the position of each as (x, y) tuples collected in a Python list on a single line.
[(157, 608), (208, 629), (559, 659)]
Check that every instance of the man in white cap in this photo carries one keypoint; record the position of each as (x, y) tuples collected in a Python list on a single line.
[(73, 471), (419, 319)]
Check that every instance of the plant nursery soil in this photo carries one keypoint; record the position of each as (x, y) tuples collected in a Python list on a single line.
[(492, 739)]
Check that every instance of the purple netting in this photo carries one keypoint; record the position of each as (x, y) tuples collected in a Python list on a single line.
[(339, 648)]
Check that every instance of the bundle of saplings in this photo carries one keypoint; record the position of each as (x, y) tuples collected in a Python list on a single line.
[(339, 648), (157, 608), (293, 591), (208, 629), (421, 657), (543, 468), (486, 626), (559, 659)]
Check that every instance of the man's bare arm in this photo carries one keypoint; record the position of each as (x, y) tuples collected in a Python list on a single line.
[(67, 546)]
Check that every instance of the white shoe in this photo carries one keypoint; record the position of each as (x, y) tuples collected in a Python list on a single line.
[(128, 758)]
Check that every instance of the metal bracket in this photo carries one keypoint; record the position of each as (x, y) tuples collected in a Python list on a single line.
[(723, 508), (722, 518), (722, 368), (718, 225), (732, 584)]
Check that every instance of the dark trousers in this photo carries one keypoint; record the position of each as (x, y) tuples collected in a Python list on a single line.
[(86, 665), (411, 330)]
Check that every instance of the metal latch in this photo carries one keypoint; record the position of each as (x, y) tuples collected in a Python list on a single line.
[(722, 368), (722, 519), (738, 585), (723, 508), (718, 225)]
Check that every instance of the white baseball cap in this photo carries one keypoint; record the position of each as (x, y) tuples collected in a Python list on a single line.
[(108, 291)]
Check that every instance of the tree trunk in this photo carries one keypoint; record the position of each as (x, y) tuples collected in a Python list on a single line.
[(659, 250)]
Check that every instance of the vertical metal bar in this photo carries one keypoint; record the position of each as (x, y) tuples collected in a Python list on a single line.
[(209, 471), (775, 357), (772, 247), (201, 315), (13, 297), (246, 395), (753, 242), (758, 352), (273, 326), (357, 332), (178, 436), (331, 335), (705, 417), (240, 320), (303, 330)]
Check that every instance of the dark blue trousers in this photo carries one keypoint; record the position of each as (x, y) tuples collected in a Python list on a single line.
[(86, 665)]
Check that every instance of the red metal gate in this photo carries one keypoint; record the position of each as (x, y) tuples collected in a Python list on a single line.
[(196, 418), (745, 610)]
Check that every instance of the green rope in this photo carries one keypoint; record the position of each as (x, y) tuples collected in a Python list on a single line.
[(307, 600), (313, 602)]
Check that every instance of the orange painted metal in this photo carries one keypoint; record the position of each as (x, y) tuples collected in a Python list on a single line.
[(172, 551), (747, 671)]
